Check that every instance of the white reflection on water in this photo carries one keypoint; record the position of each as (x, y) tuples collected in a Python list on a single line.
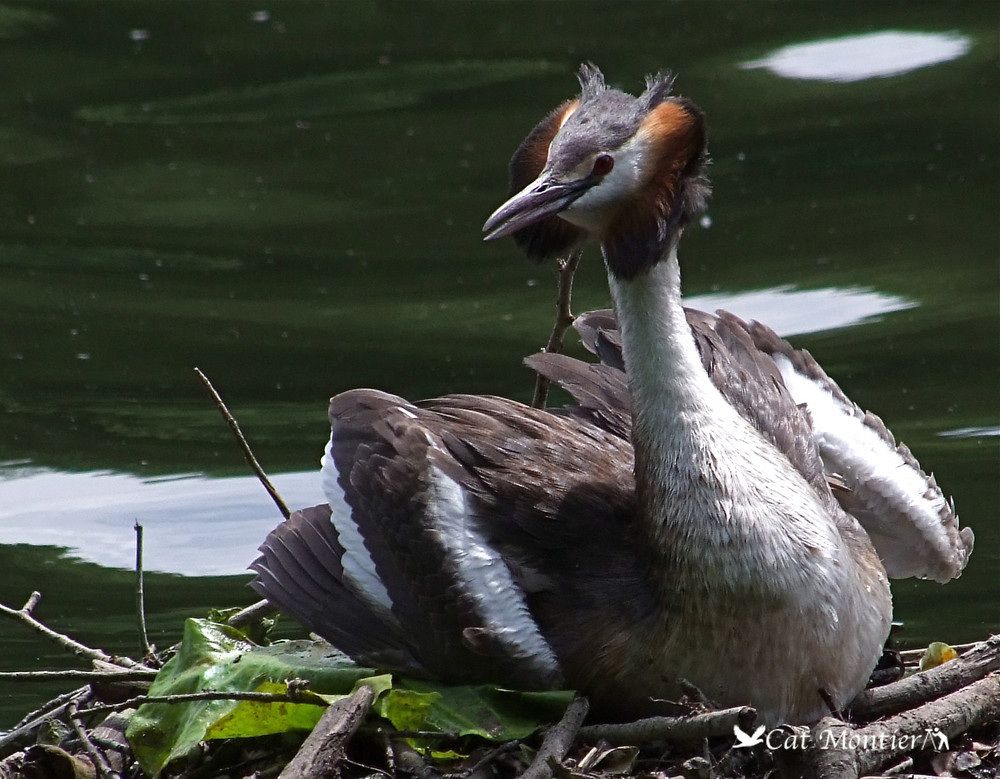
[(972, 432), (789, 311), (200, 526), (857, 57), (192, 525)]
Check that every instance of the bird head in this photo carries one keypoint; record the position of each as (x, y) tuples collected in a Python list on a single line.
[(624, 171)]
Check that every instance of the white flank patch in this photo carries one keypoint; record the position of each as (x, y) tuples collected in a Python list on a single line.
[(877, 474), (359, 567), (485, 576)]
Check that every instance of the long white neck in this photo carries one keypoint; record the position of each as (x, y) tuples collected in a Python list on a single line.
[(716, 498), (737, 544), (675, 405), (661, 357)]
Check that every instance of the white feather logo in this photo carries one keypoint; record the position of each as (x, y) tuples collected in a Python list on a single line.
[(744, 739)]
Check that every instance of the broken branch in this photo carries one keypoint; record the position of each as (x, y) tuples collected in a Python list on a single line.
[(81, 650), (558, 740), (689, 728)]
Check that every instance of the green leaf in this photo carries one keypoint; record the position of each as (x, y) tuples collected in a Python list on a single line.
[(406, 709), (214, 656), (485, 711), (254, 718), (217, 657)]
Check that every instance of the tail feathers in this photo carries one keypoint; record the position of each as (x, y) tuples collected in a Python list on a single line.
[(299, 571)]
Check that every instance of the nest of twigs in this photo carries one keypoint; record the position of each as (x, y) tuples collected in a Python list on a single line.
[(944, 721)]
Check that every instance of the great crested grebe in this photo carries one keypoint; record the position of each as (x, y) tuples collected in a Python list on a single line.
[(701, 514)]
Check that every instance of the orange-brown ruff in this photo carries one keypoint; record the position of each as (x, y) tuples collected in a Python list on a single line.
[(676, 523)]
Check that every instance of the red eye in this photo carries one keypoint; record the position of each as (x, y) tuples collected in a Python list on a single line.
[(603, 164)]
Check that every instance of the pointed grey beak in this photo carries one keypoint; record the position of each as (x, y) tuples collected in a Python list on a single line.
[(543, 197)]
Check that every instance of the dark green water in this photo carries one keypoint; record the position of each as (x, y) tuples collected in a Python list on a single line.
[(290, 196)]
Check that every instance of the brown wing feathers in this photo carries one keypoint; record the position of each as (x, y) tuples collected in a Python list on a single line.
[(390, 485), (467, 530), (600, 391), (423, 485)]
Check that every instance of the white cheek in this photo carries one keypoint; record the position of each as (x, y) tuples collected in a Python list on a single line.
[(593, 209)]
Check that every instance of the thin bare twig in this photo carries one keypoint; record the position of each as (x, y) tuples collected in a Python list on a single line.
[(914, 655), (370, 770), (96, 756), (244, 446), (32, 601), (903, 765), (506, 748), (81, 650), (564, 320), (25, 730), (55, 703), (689, 728), (73, 674), (140, 596)]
